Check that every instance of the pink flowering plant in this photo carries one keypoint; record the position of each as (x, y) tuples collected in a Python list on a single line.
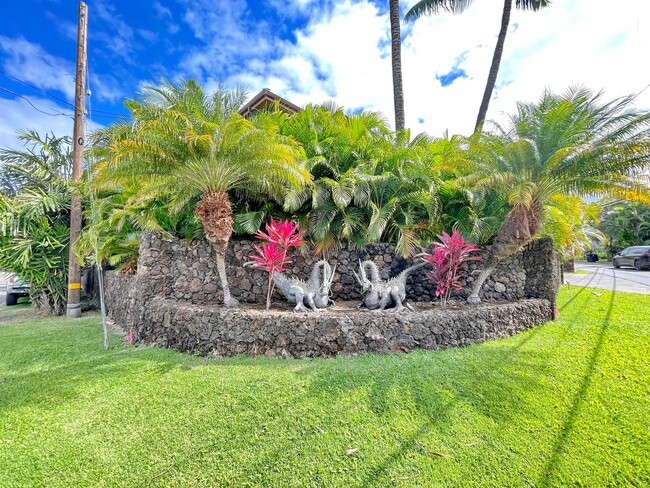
[(447, 256), (271, 255)]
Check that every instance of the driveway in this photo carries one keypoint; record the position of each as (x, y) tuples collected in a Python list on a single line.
[(604, 276)]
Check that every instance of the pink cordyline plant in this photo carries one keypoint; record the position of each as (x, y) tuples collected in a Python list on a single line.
[(448, 255), (272, 254)]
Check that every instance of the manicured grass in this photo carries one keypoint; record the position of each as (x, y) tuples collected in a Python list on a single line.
[(578, 272), (566, 404)]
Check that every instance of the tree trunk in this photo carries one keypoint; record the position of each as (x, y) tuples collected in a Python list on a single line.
[(396, 50), (215, 213), (494, 68), (228, 299), (478, 284), (518, 229)]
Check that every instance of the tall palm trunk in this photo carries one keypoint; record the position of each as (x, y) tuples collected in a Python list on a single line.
[(494, 68), (215, 213), (396, 50), (518, 229)]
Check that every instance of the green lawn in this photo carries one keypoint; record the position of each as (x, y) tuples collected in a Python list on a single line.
[(566, 404)]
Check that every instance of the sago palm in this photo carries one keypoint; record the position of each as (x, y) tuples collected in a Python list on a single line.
[(184, 143), (570, 144)]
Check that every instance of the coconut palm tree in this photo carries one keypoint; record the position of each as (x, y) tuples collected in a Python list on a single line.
[(396, 53), (184, 144), (428, 7), (570, 144)]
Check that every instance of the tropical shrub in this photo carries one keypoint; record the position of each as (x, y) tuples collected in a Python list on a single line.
[(448, 255), (279, 237), (35, 216), (570, 144), (190, 149), (624, 224)]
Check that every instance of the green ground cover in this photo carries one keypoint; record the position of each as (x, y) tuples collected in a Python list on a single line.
[(566, 404)]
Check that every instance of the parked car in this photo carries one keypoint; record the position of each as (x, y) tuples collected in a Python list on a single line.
[(637, 256), (16, 288)]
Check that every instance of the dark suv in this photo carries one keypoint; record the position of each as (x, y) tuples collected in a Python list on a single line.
[(16, 288), (637, 256)]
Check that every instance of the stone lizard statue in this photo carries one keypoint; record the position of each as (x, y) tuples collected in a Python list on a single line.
[(314, 293), (379, 294)]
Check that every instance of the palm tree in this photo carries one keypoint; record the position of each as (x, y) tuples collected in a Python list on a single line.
[(340, 151), (35, 216), (570, 144), (427, 7), (396, 51), (184, 144)]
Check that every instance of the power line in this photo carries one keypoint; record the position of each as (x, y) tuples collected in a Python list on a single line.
[(37, 88), (34, 106), (54, 96)]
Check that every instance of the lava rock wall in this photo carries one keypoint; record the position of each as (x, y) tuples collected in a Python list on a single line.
[(187, 272)]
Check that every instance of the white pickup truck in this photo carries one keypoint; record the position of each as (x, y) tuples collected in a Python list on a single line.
[(16, 288)]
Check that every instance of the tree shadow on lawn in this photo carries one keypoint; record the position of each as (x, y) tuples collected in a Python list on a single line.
[(50, 379), (554, 462), (496, 382)]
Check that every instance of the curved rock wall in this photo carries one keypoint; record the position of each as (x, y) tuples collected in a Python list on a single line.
[(185, 271), (174, 298), (342, 329)]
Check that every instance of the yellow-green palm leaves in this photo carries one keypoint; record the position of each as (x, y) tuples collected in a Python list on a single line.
[(185, 145), (571, 144)]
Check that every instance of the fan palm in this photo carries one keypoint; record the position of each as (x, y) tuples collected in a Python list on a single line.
[(427, 7), (570, 144), (184, 144)]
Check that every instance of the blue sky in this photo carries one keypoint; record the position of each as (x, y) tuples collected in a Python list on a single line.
[(312, 51)]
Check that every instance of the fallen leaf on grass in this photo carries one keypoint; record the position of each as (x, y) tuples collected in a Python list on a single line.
[(401, 478), (433, 453), (319, 429), (350, 452)]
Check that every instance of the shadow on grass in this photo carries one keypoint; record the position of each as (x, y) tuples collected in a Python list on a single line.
[(579, 397), (495, 381), (582, 289)]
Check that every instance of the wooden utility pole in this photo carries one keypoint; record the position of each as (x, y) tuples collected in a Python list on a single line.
[(74, 273)]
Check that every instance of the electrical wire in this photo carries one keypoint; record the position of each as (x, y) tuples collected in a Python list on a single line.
[(54, 96), (34, 106)]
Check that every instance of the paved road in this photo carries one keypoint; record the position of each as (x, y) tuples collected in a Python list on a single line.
[(604, 276)]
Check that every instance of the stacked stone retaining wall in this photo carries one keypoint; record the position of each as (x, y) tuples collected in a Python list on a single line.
[(187, 272), (174, 301)]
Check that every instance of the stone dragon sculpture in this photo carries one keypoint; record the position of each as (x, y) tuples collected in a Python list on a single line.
[(313, 293), (379, 294)]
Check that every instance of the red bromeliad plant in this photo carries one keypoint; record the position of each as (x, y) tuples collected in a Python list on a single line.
[(272, 255), (448, 255)]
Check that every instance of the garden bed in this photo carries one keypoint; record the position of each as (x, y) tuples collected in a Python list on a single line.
[(342, 329)]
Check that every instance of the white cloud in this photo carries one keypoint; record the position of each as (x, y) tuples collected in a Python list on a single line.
[(115, 34), (344, 54), (18, 114), (162, 12), (30, 62)]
